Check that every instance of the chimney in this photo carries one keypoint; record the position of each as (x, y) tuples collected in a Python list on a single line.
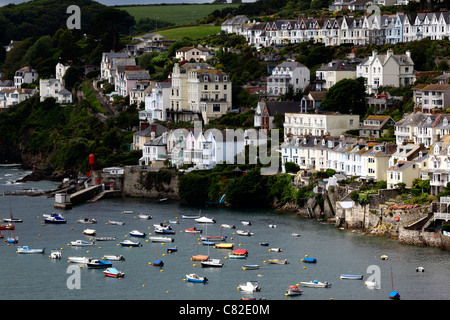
[(143, 125), (389, 53), (408, 54)]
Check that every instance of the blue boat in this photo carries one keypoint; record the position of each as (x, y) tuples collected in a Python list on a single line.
[(394, 295), (195, 278), (264, 244), (54, 218), (208, 243), (173, 249), (158, 263), (309, 260), (164, 231), (351, 276), (97, 263)]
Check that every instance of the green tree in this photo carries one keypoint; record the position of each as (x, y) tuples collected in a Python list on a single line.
[(346, 96)]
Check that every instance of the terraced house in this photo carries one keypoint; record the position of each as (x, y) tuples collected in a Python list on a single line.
[(382, 29)]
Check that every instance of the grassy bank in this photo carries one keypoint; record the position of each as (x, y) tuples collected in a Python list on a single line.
[(177, 13), (194, 32)]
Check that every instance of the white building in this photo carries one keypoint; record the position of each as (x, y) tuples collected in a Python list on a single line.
[(25, 75), (285, 75), (198, 54), (386, 70), (12, 97), (54, 89), (61, 71), (318, 124), (156, 102)]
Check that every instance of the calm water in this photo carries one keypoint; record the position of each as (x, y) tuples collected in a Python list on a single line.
[(39, 277)]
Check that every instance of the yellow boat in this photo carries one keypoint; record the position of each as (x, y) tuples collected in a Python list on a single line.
[(224, 245)]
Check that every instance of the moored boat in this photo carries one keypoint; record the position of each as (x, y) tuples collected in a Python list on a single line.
[(205, 220), (394, 295), (214, 263), (27, 250), (172, 249), (116, 223), (244, 233), (190, 216), (193, 230), (249, 286), (136, 233), (81, 243), (351, 277), (238, 254), (83, 260), (212, 238), (174, 221), (199, 257), (316, 284), (145, 216), (113, 273), (224, 245), (55, 254), (161, 239), (87, 220), (164, 231), (250, 267), (105, 238), (127, 212), (278, 261), (246, 223), (293, 290), (309, 260), (89, 232), (196, 278), (97, 263), (129, 243), (54, 218), (276, 250), (228, 226), (113, 257), (371, 284)]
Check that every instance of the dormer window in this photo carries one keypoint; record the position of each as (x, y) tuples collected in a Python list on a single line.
[(205, 78), (445, 122)]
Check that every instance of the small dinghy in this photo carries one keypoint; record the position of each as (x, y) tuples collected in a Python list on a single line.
[(129, 243), (113, 257), (113, 273), (97, 263), (250, 286), (195, 278), (293, 291), (136, 233)]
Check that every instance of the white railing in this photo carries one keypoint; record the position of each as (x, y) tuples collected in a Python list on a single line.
[(441, 216)]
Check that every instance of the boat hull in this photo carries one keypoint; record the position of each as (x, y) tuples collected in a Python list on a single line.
[(351, 277)]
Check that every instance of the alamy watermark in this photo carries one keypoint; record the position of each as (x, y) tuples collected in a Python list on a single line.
[(74, 21)]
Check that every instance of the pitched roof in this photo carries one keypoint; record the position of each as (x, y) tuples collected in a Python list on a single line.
[(276, 107)]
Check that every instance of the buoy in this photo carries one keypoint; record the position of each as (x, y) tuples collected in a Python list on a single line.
[(304, 267), (87, 251), (239, 288), (39, 235), (143, 285), (161, 270), (306, 256), (194, 265), (264, 261)]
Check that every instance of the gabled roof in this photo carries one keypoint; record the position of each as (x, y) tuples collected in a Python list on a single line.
[(276, 107)]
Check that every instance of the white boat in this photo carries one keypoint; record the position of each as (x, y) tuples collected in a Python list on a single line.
[(89, 232), (272, 225), (127, 212), (174, 221), (113, 257), (276, 250), (215, 263), (420, 269), (87, 220), (55, 254), (196, 278), (79, 259), (372, 284), (316, 284), (296, 234), (228, 226), (117, 223), (136, 233), (145, 216), (81, 243), (105, 238), (190, 216), (162, 226), (27, 250), (161, 239), (250, 286), (244, 233), (129, 243), (205, 220), (246, 223)]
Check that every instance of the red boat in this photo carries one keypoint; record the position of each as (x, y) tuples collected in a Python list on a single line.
[(113, 273), (193, 230), (8, 226)]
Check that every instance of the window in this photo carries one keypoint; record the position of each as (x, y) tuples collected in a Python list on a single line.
[(351, 122), (216, 107)]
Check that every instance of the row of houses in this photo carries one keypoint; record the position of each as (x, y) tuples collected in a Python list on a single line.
[(379, 29), (200, 149)]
